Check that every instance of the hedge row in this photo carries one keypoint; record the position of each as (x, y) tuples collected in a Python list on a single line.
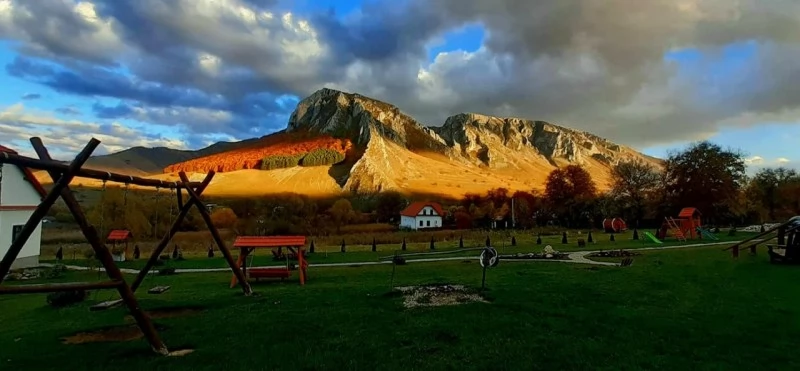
[(317, 157)]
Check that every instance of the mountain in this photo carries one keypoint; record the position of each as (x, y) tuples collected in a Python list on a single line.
[(339, 142), (469, 152)]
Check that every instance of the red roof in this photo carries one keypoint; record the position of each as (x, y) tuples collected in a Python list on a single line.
[(688, 212), (415, 207), (119, 235), (28, 174), (269, 241)]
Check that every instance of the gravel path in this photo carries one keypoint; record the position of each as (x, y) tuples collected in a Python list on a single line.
[(576, 257)]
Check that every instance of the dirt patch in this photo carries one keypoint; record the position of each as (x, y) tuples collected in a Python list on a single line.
[(110, 334), (169, 312), (438, 295)]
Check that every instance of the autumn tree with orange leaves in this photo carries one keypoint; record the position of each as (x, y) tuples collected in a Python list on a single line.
[(569, 192)]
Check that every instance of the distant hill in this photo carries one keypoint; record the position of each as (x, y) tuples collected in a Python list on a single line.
[(142, 161)]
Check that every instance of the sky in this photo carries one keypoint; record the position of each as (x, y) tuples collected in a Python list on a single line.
[(656, 75)]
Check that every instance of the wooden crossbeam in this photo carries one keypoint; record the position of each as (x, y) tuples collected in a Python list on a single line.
[(50, 165), (194, 198), (54, 287), (100, 249), (41, 211), (184, 210)]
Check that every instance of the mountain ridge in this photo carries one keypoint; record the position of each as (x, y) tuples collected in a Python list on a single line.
[(470, 152)]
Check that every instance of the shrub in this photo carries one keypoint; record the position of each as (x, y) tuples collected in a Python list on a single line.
[(57, 271), (65, 298), (280, 162), (321, 157), (166, 271)]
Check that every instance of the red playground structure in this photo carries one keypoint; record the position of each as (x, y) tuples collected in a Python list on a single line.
[(614, 225), (686, 226), (248, 244)]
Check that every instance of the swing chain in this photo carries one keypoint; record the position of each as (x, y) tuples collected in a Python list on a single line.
[(103, 208)]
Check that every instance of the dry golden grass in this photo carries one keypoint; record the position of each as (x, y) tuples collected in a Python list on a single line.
[(412, 173)]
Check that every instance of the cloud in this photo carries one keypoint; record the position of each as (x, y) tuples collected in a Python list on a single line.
[(666, 71), (783, 160), (31, 96), (755, 160), (68, 137), (69, 110)]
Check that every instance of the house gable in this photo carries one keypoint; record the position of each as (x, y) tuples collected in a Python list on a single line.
[(423, 209), (16, 189)]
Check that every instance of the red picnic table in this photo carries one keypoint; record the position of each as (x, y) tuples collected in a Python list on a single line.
[(248, 244)]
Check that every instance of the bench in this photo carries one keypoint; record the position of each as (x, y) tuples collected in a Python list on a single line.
[(268, 273)]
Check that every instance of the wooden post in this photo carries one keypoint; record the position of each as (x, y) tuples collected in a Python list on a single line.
[(41, 211), (102, 253), (184, 210), (301, 262), (194, 198)]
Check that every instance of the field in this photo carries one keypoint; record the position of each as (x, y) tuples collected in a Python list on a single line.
[(358, 246), (672, 309)]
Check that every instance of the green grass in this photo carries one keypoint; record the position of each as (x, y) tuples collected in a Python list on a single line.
[(679, 309), (363, 253)]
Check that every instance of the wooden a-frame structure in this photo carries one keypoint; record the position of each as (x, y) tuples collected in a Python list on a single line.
[(62, 175)]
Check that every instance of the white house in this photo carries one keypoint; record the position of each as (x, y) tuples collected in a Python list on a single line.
[(20, 194), (421, 215)]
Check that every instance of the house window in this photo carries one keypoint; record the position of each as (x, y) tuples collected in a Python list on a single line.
[(420, 223), (15, 230), (429, 223)]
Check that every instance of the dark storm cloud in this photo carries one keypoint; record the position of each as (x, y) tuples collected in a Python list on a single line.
[(219, 66)]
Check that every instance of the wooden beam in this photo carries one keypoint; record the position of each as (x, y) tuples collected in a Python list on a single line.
[(54, 287), (51, 165), (762, 234), (102, 254), (194, 198), (41, 211), (184, 210)]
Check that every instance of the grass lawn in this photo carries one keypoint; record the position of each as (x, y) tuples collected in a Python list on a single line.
[(363, 253), (678, 309)]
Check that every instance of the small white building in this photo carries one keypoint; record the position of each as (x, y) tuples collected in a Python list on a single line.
[(422, 215), (20, 194)]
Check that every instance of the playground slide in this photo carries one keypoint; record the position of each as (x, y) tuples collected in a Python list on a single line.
[(652, 238), (707, 234)]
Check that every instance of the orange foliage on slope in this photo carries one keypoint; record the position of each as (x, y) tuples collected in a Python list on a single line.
[(252, 156)]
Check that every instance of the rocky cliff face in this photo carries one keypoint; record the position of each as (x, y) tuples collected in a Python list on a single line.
[(487, 140), (471, 140)]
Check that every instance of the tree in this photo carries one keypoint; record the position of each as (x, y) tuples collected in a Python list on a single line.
[(706, 177), (389, 205), (633, 182), (568, 190), (341, 213), (223, 218), (773, 189)]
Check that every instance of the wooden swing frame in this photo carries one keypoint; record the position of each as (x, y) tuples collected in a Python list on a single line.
[(62, 175)]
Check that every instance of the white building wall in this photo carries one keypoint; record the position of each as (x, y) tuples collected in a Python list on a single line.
[(407, 222), (433, 221), (30, 252), (15, 190)]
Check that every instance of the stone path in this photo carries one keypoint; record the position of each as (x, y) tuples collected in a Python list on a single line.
[(575, 257)]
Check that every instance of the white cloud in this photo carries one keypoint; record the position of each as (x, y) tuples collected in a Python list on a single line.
[(65, 138), (755, 160), (783, 160)]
